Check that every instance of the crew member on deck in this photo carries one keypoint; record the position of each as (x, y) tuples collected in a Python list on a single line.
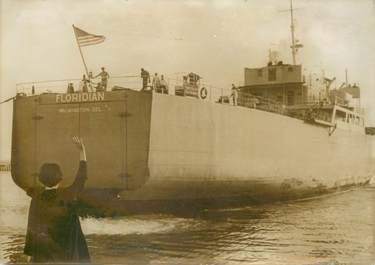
[(84, 83), (234, 95), (163, 85), (90, 83), (54, 232), (145, 78), (70, 88), (185, 80), (156, 82), (104, 79)]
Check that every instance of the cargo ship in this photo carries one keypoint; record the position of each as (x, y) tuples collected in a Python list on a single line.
[(276, 138)]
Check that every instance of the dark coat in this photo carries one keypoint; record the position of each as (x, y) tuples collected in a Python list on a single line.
[(54, 232)]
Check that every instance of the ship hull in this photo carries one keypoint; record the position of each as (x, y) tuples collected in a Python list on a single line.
[(166, 150), (204, 150)]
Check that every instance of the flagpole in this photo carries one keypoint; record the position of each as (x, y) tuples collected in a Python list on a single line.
[(83, 59)]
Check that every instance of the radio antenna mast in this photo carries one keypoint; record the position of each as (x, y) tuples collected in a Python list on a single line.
[(295, 45)]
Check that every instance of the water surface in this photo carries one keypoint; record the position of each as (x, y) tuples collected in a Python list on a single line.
[(327, 230)]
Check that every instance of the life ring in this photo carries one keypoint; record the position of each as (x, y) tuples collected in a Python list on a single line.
[(203, 93)]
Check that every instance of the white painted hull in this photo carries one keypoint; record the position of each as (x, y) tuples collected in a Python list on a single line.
[(156, 148), (202, 150)]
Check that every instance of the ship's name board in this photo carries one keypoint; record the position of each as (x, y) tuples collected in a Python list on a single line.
[(79, 97)]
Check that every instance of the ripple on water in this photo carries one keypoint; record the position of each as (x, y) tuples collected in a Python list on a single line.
[(332, 229)]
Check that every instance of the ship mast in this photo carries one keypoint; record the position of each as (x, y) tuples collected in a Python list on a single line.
[(293, 46), (295, 43)]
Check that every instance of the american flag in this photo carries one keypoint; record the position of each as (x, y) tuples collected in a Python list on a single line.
[(85, 39)]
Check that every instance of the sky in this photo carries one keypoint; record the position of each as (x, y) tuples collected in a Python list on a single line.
[(216, 39)]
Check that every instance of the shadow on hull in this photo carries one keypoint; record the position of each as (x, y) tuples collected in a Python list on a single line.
[(105, 203)]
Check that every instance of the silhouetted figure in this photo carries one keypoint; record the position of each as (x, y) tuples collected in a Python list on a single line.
[(90, 77), (85, 83), (185, 80), (70, 88), (33, 90), (234, 95), (156, 82), (104, 76), (163, 85), (54, 232), (145, 78)]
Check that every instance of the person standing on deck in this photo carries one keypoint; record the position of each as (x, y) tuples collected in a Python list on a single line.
[(54, 232), (104, 79), (145, 78), (84, 83), (156, 82), (90, 77), (70, 88), (163, 85), (234, 95)]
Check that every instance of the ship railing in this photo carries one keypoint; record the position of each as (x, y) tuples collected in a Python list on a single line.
[(313, 104), (134, 82), (61, 86), (258, 102), (130, 81)]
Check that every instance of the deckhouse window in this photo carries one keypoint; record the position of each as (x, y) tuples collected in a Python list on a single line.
[(271, 74)]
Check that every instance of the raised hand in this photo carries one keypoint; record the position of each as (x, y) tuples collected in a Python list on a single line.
[(79, 143)]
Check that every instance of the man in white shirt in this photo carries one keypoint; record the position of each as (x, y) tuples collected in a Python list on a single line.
[(156, 82), (163, 85), (104, 78)]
